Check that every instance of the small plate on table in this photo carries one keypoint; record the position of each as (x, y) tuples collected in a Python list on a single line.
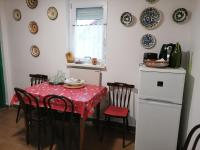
[(74, 86), (74, 82)]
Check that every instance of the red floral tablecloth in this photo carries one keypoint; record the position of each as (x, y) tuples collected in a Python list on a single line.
[(85, 99)]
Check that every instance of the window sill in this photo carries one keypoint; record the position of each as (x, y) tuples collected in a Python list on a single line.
[(100, 67)]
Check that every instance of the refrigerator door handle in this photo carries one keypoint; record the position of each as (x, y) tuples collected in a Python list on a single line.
[(156, 101)]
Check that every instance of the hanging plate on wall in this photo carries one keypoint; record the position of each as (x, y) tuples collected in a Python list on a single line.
[(33, 27), (148, 41), (17, 14), (52, 13), (152, 1), (150, 18), (35, 51), (127, 19), (180, 15), (32, 3)]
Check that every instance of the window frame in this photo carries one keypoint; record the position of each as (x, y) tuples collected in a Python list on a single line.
[(74, 4)]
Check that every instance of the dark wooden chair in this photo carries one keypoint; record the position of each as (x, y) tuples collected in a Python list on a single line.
[(63, 120), (33, 115), (190, 136), (119, 99), (35, 79)]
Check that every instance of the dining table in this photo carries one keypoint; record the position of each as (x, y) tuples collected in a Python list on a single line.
[(86, 100)]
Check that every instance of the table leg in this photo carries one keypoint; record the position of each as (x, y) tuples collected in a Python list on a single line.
[(82, 130), (97, 116)]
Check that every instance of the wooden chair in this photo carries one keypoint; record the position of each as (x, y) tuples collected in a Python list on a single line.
[(119, 99), (190, 136), (35, 79), (32, 113), (64, 119)]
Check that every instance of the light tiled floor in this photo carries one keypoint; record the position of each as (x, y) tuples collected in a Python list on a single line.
[(12, 136)]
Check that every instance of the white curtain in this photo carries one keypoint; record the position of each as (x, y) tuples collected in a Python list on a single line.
[(88, 41)]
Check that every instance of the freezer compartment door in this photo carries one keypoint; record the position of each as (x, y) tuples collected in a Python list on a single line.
[(161, 86), (157, 126)]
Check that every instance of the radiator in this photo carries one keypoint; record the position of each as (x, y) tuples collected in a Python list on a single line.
[(90, 76)]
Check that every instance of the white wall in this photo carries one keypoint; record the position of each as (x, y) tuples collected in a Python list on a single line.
[(51, 39), (192, 107), (124, 51)]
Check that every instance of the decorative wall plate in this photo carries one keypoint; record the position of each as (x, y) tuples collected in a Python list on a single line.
[(33, 27), (148, 41), (127, 19), (150, 18), (152, 1), (52, 13), (180, 15), (32, 3), (17, 14), (35, 52)]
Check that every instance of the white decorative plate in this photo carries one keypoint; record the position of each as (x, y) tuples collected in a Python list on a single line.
[(180, 15), (127, 19), (52, 13), (150, 18), (32, 3), (148, 41), (17, 14), (35, 52), (33, 27)]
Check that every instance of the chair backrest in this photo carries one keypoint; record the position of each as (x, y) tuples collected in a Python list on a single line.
[(28, 103), (120, 94), (61, 103), (37, 78), (189, 137)]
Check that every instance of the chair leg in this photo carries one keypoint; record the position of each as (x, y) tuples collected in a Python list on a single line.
[(102, 128), (52, 137), (63, 138), (124, 132), (39, 128), (18, 114), (127, 124), (27, 131)]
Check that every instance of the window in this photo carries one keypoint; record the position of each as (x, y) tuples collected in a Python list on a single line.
[(88, 28)]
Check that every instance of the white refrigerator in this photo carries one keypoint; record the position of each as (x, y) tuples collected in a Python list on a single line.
[(159, 108)]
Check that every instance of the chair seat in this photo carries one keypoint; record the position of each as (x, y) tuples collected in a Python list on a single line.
[(116, 111)]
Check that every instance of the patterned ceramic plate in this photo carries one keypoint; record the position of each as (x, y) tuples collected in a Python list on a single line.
[(180, 15), (150, 18), (148, 41), (33, 27), (127, 19), (152, 1), (52, 13), (17, 14), (32, 3), (35, 52)]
